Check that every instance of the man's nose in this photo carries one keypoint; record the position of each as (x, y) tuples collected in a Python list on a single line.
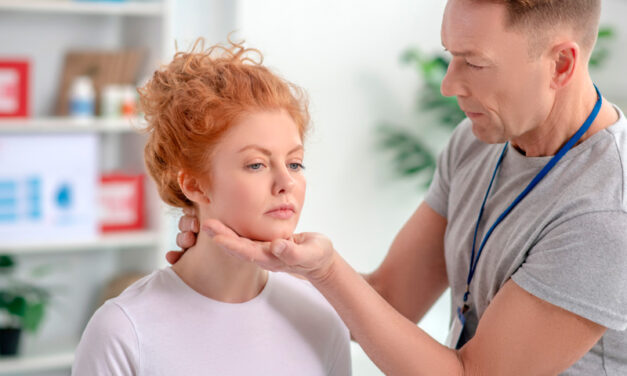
[(452, 83)]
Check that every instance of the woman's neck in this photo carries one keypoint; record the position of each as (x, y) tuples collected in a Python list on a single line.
[(214, 273)]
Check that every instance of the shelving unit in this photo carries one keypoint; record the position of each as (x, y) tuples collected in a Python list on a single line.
[(37, 363), (69, 125), (150, 9), (43, 31), (121, 240)]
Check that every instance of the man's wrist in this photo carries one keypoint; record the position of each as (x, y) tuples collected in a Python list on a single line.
[(325, 274)]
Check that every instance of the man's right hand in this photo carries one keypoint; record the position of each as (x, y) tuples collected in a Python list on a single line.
[(186, 238)]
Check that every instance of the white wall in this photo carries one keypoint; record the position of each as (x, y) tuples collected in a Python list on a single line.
[(346, 55)]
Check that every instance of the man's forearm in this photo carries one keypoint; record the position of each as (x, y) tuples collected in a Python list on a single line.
[(394, 343)]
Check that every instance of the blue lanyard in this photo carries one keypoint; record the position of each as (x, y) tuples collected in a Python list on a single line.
[(573, 140)]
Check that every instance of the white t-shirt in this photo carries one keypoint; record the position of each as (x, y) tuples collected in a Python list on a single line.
[(161, 326)]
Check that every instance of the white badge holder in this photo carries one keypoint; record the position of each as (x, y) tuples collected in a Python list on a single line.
[(455, 332)]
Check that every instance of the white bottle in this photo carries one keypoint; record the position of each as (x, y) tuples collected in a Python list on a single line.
[(82, 98), (111, 103)]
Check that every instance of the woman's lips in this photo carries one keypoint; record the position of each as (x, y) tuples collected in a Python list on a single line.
[(283, 212)]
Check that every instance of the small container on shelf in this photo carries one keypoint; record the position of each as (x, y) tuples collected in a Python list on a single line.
[(82, 98), (111, 101), (129, 101)]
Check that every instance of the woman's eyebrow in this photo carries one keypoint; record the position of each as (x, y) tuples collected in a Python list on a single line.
[(266, 151), (256, 147)]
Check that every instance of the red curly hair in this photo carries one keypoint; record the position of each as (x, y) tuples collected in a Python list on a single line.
[(191, 102)]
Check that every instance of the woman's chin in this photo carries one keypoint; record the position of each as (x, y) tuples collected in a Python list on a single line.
[(267, 235)]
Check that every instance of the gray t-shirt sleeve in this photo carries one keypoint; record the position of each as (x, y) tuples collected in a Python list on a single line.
[(581, 265), (438, 193)]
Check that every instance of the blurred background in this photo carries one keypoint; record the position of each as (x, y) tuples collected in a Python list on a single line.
[(79, 220)]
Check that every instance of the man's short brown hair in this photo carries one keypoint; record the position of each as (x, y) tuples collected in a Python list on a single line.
[(539, 17)]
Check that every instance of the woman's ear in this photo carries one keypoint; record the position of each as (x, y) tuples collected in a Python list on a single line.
[(191, 188), (565, 59)]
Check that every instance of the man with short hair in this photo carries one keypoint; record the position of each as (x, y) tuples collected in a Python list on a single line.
[(525, 221)]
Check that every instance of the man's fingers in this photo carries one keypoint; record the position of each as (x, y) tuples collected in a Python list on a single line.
[(292, 254), (188, 223), (299, 238), (173, 256), (191, 211), (214, 227), (185, 239), (245, 249)]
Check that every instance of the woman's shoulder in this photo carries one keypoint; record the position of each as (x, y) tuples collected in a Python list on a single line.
[(109, 344), (141, 298)]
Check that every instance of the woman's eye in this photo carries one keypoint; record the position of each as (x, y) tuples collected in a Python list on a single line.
[(296, 166), (255, 166)]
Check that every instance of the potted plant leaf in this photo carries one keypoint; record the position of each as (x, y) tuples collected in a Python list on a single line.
[(22, 306)]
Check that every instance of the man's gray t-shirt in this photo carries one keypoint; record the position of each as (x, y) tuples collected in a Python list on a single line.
[(565, 243)]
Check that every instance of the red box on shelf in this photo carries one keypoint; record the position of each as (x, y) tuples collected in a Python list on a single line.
[(14, 88), (121, 202)]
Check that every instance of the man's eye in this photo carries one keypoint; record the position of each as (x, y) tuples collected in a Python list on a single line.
[(473, 66)]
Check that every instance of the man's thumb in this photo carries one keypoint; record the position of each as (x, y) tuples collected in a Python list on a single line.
[(283, 250)]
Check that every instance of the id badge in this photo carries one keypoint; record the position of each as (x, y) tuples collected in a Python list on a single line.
[(456, 329)]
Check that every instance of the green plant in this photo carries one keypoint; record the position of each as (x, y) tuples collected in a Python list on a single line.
[(414, 155), (602, 48), (22, 304)]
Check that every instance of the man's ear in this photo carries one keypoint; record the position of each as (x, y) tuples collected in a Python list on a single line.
[(565, 58), (191, 188)]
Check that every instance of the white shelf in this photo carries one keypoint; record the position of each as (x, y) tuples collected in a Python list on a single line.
[(119, 240), (70, 125), (126, 8), (35, 363)]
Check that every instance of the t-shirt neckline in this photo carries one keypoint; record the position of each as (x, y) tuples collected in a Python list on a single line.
[(517, 158), (193, 294)]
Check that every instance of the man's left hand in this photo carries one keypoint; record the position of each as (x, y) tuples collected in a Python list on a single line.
[(308, 254)]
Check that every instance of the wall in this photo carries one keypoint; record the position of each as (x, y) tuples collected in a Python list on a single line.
[(346, 55)]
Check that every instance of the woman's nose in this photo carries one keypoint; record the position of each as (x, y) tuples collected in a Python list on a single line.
[(283, 181)]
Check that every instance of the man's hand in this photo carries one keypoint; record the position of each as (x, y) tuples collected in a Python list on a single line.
[(308, 254), (188, 225)]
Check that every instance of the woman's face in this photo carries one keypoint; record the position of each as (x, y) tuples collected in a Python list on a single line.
[(256, 185)]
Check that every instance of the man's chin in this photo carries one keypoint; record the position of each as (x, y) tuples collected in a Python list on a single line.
[(485, 134)]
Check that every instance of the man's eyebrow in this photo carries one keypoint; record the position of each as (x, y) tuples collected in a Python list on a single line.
[(467, 53), (266, 151)]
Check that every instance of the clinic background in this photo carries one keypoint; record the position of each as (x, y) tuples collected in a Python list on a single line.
[(346, 55)]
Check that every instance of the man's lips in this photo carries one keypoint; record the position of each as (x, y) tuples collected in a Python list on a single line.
[(282, 212), (473, 115)]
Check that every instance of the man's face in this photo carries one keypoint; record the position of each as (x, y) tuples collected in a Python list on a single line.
[(503, 91)]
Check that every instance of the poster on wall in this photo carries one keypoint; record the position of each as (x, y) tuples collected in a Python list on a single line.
[(48, 186), (14, 86)]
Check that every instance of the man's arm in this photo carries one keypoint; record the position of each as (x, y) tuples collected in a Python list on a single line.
[(518, 333), (413, 274)]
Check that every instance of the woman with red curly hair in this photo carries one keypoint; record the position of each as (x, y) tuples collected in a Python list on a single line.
[(226, 141)]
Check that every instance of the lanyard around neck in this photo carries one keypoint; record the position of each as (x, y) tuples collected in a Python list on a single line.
[(573, 140)]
